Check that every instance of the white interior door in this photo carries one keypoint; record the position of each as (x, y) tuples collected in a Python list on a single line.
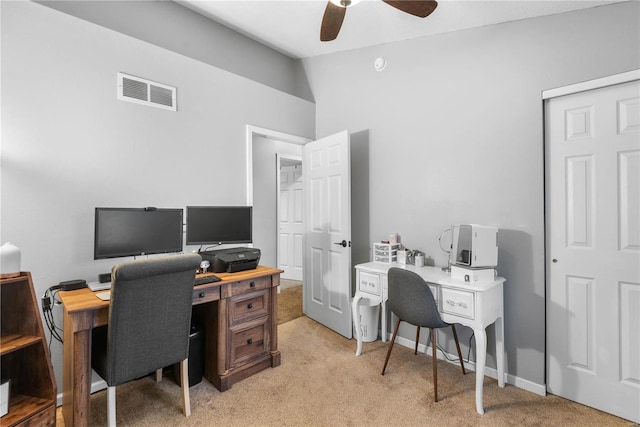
[(290, 219), (593, 238), (327, 261)]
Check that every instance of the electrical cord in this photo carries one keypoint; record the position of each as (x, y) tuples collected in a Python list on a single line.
[(49, 299), (451, 359), (209, 247), (440, 241)]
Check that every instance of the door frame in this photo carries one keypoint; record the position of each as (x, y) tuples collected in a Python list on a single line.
[(548, 94), (279, 158), (251, 132)]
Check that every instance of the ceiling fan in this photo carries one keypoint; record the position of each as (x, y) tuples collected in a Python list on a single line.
[(336, 9)]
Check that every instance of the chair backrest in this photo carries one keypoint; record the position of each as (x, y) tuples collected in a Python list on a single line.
[(410, 298), (149, 315)]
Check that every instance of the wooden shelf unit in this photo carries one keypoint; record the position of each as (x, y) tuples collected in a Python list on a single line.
[(25, 357)]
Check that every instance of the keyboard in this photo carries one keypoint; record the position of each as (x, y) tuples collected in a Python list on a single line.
[(206, 279)]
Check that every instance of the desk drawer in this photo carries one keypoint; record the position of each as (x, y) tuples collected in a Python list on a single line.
[(248, 340), (250, 285), (457, 302), (203, 295), (369, 283), (245, 307)]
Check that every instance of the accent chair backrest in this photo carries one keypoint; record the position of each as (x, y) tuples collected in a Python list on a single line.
[(411, 299), (149, 315)]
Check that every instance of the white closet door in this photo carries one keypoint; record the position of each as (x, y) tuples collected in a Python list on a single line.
[(593, 248)]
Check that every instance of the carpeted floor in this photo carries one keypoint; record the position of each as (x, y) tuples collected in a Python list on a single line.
[(289, 304), (322, 383)]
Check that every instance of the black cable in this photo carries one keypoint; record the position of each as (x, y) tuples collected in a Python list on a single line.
[(49, 299), (469, 352), (209, 247), (447, 356)]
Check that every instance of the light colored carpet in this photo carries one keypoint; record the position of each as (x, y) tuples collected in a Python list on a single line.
[(322, 383), (289, 304)]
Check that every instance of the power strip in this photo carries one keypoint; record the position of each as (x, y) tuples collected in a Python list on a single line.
[(72, 285)]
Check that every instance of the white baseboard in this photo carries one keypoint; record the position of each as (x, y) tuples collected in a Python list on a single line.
[(539, 389)]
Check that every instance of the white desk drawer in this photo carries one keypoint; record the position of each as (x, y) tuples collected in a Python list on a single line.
[(369, 283), (457, 302)]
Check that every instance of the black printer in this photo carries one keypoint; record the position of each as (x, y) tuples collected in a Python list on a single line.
[(232, 260)]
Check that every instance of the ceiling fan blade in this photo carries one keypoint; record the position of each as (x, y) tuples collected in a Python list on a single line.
[(420, 8), (331, 22)]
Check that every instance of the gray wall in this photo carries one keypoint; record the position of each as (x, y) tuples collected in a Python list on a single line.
[(68, 144), (455, 127), (181, 30)]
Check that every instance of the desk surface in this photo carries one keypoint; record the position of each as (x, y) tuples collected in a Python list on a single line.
[(85, 299)]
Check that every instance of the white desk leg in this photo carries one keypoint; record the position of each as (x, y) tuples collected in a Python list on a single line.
[(383, 332), (355, 312), (481, 356), (499, 326)]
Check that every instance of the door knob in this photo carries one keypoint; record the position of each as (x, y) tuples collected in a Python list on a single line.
[(343, 243), (554, 261)]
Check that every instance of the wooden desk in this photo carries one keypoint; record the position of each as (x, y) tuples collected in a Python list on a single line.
[(238, 316), (476, 305)]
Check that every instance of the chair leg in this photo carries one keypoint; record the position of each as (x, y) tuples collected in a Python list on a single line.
[(393, 339), (455, 336), (434, 362), (159, 375), (417, 339), (111, 406), (184, 383)]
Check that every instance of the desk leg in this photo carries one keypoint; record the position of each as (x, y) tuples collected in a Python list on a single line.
[(383, 330), (76, 387), (499, 326), (355, 313), (481, 356)]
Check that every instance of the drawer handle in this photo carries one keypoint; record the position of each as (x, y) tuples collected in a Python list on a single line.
[(250, 306), (459, 304), (250, 341), (201, 295), (252, 284)]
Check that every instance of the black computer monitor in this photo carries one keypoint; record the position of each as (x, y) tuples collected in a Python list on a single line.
[(213, 225), (121, 232)]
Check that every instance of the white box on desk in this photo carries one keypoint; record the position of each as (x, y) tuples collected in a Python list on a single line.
[(472, 275), (4, 398)]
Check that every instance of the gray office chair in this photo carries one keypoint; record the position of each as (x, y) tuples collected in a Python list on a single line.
[(149, 323), (411, 300)]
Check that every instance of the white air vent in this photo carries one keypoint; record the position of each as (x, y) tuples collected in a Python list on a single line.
[(142, 91)]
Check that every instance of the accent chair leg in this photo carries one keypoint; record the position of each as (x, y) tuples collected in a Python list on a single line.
[(159, 375), (111, 406), (434, 362), (417, 339), (184, 382), (455, 336), (393, 339)]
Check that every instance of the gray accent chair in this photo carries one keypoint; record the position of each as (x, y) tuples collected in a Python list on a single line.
[(411, 300), (149, 323)]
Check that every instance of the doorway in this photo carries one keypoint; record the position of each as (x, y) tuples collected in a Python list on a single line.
[(265, 150), (290, 218)]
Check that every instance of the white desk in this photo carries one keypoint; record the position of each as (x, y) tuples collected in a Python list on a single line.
[(476, 305)]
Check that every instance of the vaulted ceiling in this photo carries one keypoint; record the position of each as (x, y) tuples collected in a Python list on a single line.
[(293, 27)]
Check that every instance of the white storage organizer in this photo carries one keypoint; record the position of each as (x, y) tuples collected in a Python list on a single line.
[(385, 252)]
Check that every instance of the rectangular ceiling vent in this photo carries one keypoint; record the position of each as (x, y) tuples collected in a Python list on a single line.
[(146, 92)]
